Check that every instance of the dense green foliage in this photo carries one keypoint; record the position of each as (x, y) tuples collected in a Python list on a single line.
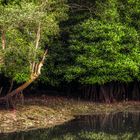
[(105, 52), (19, 21), (99, 43)]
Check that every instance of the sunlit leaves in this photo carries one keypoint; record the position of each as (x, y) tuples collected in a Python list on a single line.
[(106, 52), (20, 21)]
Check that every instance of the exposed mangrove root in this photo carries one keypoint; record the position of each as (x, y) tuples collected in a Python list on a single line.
[(111, 92)]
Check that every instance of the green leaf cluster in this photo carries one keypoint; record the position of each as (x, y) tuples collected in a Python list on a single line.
[(100, 43), (19, 20)]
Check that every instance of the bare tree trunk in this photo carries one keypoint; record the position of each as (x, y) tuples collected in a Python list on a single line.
[(18, 90), (1, 90), (33, 77), (35, 68), (3, 39), (111, 88), (105, 94), (33, 65), (11, 86)]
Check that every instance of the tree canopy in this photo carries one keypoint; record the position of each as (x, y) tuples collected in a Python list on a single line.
[(100, 43), (19, 23), (90, 42)]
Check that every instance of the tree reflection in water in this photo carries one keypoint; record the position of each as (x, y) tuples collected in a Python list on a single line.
[(118, 126)]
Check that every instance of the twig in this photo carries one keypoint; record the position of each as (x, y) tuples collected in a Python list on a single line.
[(1, 90)]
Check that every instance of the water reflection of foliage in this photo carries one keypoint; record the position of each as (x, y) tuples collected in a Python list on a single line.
[(106, 136), (85, 135)]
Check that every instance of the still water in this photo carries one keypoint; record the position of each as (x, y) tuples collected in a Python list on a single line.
[(118, 126)]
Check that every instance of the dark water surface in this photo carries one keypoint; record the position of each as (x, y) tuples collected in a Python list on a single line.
[(118, 126)]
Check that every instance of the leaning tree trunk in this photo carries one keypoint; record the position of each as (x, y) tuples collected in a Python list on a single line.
[(18, 90), (33, 77), (35, 69)]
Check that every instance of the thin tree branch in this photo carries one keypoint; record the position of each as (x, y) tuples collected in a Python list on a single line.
[(11, 86), (37, 44), (3, 39), (1, 90), (38, 36)]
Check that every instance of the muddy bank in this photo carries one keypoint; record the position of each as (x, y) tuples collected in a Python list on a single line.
[(47, 111), (30, 117)]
